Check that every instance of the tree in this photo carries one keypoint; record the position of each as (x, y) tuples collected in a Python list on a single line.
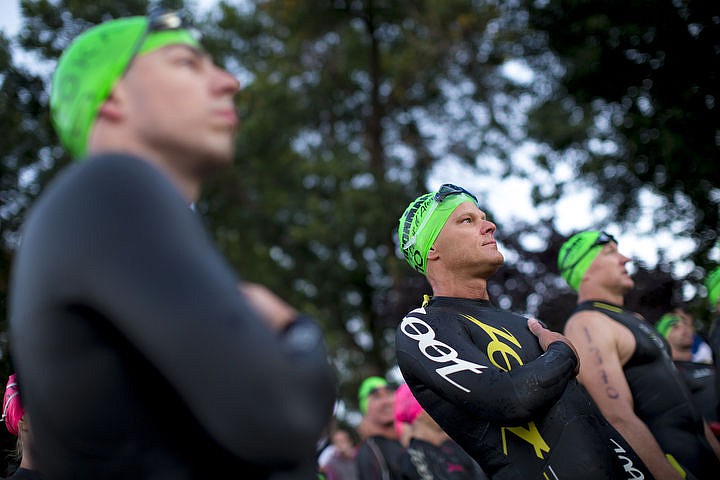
[(347, 107), (636, 100)]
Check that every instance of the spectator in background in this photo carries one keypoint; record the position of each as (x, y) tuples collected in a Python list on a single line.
[(18, 423), (378, 457), (430, 453), (677, 328), (341, 465)]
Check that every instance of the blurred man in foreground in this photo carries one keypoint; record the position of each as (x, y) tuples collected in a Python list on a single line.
[(136, 353)]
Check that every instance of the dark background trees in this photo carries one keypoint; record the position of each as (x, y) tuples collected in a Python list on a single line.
[(349, 108)]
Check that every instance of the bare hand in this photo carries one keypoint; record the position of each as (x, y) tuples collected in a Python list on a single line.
[(271, 308), (546, 337)]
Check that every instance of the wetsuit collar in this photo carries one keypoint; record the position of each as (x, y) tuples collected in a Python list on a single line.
[(441, 301), (606, 306)]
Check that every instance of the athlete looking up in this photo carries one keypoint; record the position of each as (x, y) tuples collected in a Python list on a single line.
[(137, 354), (625, 365), (502, 386)]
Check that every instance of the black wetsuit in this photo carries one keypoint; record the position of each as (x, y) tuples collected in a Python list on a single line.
[(660, 397), (700, 380), (481, 374), (424, 461), (136, 354), (378, 458)]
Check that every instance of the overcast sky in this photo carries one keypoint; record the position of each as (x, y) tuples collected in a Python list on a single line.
[(9, 16)]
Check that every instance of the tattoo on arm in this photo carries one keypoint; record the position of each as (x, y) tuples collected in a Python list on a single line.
[(610, 391)]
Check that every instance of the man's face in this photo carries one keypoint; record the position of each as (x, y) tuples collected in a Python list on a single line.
[(179, 103), (608, 269), (680, 335), (380, 404), (466, 242)]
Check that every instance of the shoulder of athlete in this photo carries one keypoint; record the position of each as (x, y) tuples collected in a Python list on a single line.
[(592, 331), (589, 326)]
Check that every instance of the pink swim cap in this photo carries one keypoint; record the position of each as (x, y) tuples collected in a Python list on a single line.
[(12, 410), (406, 408)]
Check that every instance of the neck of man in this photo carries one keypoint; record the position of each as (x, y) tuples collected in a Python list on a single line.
[(187, 182), (428, 432), (458, 287), (682, 354), (370, 429), (588, 291)]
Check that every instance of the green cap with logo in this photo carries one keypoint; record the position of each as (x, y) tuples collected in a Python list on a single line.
[(91, 65), (423, 219), (578, 252)]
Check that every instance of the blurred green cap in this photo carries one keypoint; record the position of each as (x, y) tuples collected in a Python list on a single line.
[(578, 252), (665, 323), (712, 283), (89, 68), (366, 388)]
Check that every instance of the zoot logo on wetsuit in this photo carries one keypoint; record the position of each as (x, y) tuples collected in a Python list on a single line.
[(517, 410)]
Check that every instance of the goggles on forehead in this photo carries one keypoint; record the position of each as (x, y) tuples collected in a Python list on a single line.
[(445, 191), (161, 20), (603, 239)]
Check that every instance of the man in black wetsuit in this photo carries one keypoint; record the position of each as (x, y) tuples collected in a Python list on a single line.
[(378, 457), (502, 386), (625, 365), (138, 354), (678, 329)]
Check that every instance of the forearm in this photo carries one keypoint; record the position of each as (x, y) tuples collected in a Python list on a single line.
[(643, 442), (542, 381)]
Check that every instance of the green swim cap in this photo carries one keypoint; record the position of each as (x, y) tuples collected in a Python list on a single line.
[(712, 283), (89, 68), (578, 252), (665, 323), (423, 219), (366, 387)]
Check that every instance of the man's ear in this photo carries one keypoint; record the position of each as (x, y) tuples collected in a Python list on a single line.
[(432, 253)]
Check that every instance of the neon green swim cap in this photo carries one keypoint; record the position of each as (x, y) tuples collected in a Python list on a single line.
[(712, 283), (578, 252), (366, 387), (89, 68), (423, 219), (666, 322)]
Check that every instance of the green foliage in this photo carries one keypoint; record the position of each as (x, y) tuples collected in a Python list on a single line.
[(334, 145), (642, 77)]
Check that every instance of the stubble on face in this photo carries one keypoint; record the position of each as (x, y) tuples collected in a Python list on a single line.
[(182, 106), (467, 241)]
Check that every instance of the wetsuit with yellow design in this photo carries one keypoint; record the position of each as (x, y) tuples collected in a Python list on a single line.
[(482, 375)]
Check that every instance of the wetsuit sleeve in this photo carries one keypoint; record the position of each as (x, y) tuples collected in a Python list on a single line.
[(143, 263), (448, 363)]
